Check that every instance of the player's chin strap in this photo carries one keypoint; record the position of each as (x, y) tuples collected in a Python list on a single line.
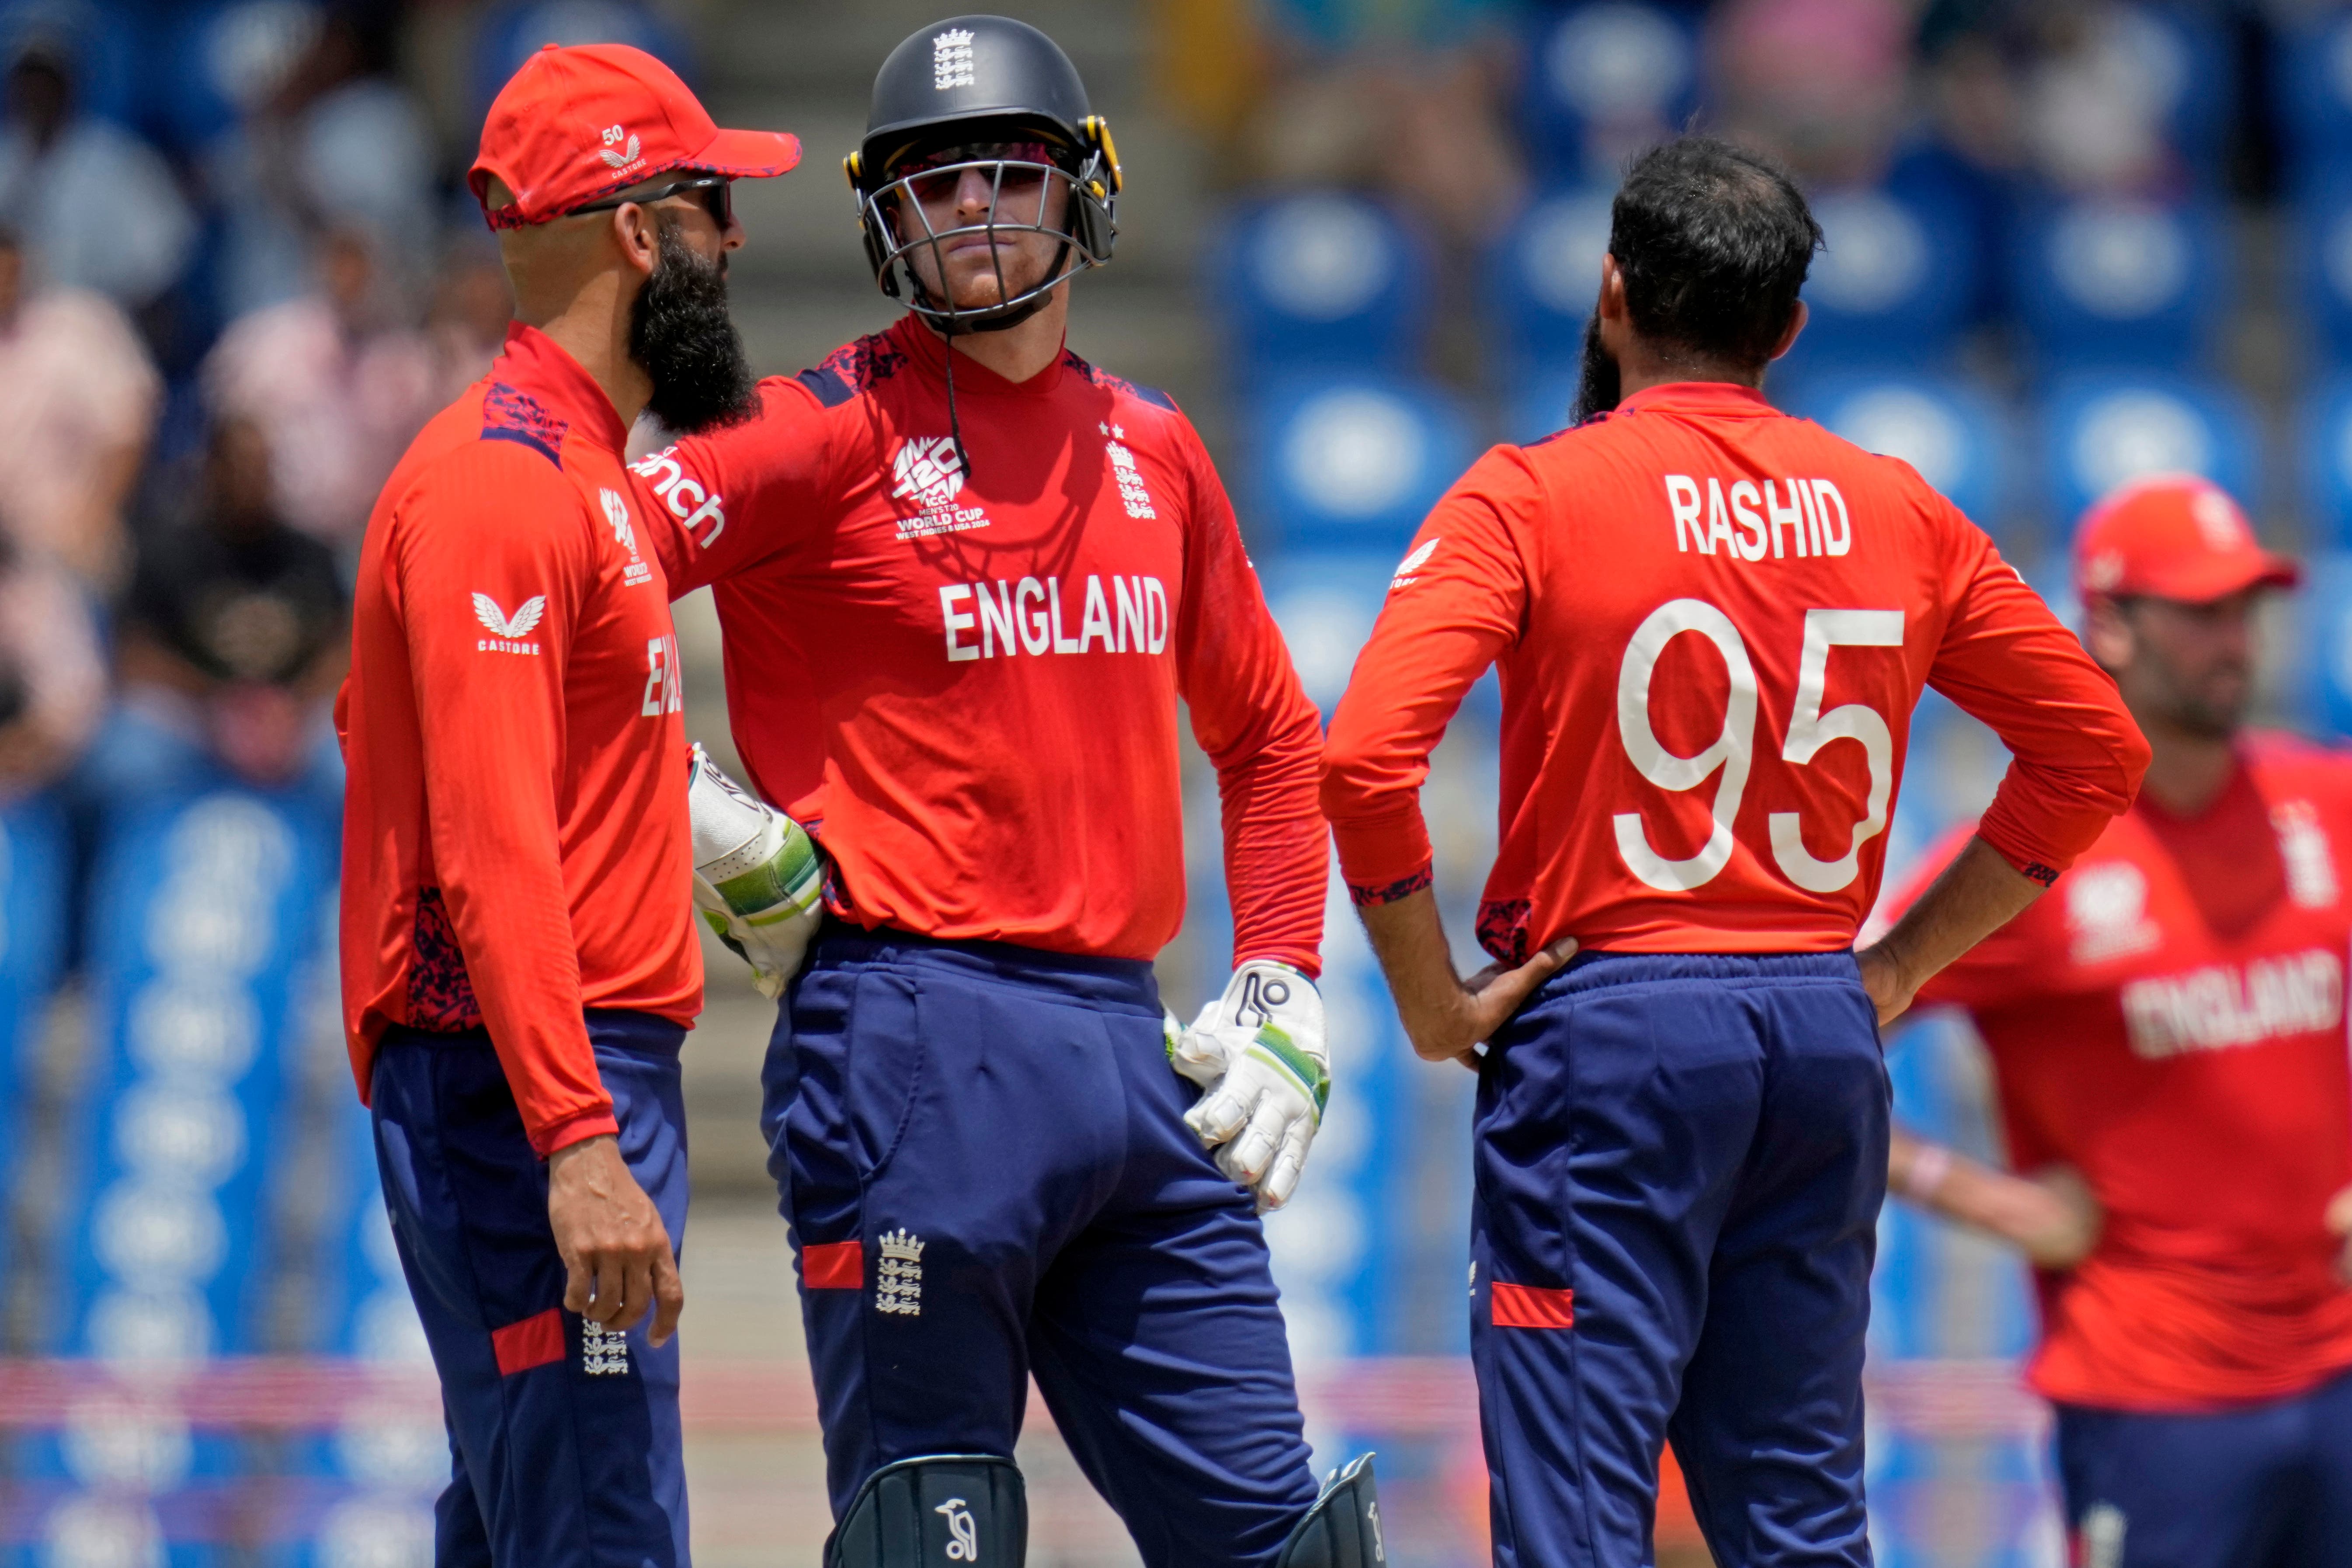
[(1343, 1529), (939, 1509)]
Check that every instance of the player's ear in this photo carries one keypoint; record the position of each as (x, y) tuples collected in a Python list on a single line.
[(1612, 305), (1797, 318), (2108, 633), (636, 230)]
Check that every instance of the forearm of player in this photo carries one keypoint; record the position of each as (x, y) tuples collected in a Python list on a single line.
[(1977, 894), (2051, 1216), (1444, 1016)]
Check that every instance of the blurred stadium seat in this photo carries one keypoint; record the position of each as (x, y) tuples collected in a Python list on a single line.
[(104, 38), (1321, 279), (1605, 79), (36, 854), (1947, 429), (1543, 277), (509, 33), (2117, 281), (1896, 278), (2323, 462), (2322, 231), (2102, 430), (1352, 462), (219, 62), (2311, 63)]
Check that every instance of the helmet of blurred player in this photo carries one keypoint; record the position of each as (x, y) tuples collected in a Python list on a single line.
[(996, 96)]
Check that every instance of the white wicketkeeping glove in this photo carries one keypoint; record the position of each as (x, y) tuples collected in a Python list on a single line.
[(1257, 1053), (756, 878)]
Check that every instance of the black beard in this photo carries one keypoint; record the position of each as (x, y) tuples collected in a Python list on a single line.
[(680, 332), (1598, 393)]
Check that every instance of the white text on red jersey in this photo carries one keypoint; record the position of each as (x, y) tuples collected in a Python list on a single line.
[(2225, 1004), (998, 619), (1749, 519)]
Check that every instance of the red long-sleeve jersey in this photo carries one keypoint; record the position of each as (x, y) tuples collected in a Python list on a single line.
[(1712, 621), (515, 837), (2170, 1023), (965, 682)]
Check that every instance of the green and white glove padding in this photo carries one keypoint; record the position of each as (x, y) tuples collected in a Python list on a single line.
[(1257, 1053), (757, 877)]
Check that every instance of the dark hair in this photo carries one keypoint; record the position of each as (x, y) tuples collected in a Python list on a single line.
[(1714, 242)]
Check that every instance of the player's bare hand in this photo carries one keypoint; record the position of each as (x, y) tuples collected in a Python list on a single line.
[(618, 1259), (2056, 1220), (1486, 1003), (1883, 979), (2339, 1222)]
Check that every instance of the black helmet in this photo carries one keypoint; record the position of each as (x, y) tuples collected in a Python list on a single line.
[(979, 83)]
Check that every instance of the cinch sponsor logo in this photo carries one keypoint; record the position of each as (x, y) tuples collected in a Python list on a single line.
[(2222, 1006), (1788, 517), (990, 620), (685, 497)]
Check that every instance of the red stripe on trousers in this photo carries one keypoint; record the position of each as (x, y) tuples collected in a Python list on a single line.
[(833, 1265), (534, 1341), (1513, 1306)]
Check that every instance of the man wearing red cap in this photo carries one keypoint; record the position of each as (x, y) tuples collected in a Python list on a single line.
[(518, 961), (2168, 1036)]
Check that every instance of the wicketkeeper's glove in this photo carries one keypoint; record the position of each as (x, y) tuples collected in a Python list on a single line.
[(756, 878), (1257, 1053)]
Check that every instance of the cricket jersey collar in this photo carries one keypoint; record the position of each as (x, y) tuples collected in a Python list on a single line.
[(535, 365), (927, 350), (1722, 400)]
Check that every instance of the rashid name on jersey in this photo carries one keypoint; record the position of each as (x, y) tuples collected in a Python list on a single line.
[(965, 682), (2170, 1022), (515, 837), (1711, 621)]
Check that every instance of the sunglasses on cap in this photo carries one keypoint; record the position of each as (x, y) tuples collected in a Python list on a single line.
[(718, 198), (933, 176)]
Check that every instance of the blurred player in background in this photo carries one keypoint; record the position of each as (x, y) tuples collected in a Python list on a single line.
[(1712, 621), (519, 959), (964, 578), (2168, 1038)]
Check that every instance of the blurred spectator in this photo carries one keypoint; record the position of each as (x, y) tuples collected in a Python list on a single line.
[(233, 632), (329, 143), (471, 308), (52, 681), (336, 385), (79, 401), (97, 206), (1821, 84)]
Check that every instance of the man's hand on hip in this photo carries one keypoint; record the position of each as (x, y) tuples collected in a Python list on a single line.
[(1443, 1015), (1257, 1052), (618, 1259)]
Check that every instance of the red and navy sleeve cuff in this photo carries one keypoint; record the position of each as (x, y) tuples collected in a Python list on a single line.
[(1389, 892)]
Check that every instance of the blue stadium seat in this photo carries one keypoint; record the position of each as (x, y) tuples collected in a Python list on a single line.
[(2312, 67), (1897, 277), (1353, 461), (1543, 277), (2322, 259), (1321, 279), (511, 33), (105, 38), (2103, 430), (2113, 282), (1325, 601), (1546, 404), (223, 60), (194, 967), (1605, 79), (1947, 429), (2321, 679), (35, 856), (2324, 460)]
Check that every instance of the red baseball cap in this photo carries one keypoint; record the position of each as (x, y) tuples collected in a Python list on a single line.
[(2174, 536), (579, 122)]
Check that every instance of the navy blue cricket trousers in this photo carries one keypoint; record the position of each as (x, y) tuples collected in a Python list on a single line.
[(980, 1152), (1680, 1160), (2260, 1486), (564, 1443)]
